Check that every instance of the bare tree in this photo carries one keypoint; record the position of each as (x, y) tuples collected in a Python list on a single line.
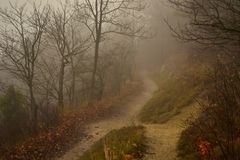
[(21, 44), (48, 80), (102, 17), (122, 63), (211, 23), (215, 24), (65, 38), (75, 63)]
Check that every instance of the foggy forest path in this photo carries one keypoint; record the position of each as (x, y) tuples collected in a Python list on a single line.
[(162, 138), (97, 130)]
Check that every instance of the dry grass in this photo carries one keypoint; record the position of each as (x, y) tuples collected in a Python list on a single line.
[(173, 94), (127, 143)]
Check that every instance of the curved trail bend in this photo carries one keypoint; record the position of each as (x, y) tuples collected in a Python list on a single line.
[(128, 116), (162, 138)]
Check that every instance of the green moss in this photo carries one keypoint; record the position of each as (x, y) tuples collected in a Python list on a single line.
[(173, 94), (118, 143)]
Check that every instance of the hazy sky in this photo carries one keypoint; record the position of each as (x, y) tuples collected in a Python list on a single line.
[(6, 2), (153, 50)]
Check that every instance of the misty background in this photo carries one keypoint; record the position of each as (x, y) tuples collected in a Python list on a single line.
[(150, 51)]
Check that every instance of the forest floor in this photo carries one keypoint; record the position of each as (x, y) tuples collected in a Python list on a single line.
[(162, 138)]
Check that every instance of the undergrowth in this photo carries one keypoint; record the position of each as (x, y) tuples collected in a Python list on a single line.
[(57, 140), (125, 143), (173, 94)]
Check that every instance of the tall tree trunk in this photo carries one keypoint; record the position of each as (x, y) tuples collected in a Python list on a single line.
[(60, 87), (98, 26), (100, 96), (72, 100), (34, 109), (92, 95)]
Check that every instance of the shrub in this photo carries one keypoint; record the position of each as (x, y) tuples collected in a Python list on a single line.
[(217, 129), (14, 115), (187, 144)]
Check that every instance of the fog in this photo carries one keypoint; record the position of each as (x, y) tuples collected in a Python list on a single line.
[(73, 73), (152, 50), (119, 79)]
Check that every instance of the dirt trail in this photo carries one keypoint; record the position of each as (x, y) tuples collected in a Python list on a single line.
[(162, 138), (128, 116)]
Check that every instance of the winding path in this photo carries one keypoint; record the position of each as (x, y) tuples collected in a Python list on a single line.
[(162, 138), (128, 116)]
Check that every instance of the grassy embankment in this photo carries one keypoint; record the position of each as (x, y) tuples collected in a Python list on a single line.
[(173, 94), (178, 88), (127, 143)]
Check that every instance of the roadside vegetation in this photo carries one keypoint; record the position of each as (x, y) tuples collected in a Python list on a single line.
[(214, 26), (187, 145), (215, 133), (174, 92), (12, 124), (127, 143), (57, 139)]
